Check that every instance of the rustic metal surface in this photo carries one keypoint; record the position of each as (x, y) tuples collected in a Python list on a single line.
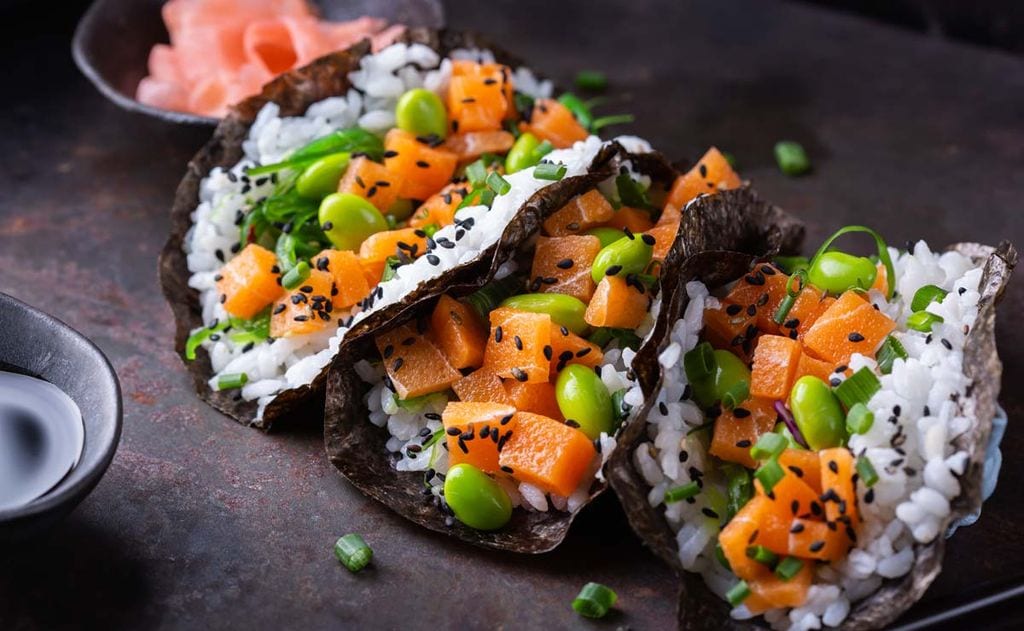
[(203, 523)]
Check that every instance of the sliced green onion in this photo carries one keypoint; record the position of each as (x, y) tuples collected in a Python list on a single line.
[(880, 244), (231, 381), (680, 493), (792, 158), (523, 102), (738, 593), (549, 171), (353, 552), (923, 321), (296, 275), (788, 568), (730, 158), (541, 150), (578, 108), (197, 338), (487, 197), (607, 121), (351, 140), (497, 183), (630, 192), (739, 489), (736, 394), (699, 363), (792, 292), (720, 555), (769, 445), (476, 172), (866, 471), (487, 298), (762, 555), (620, 408), (859, 419), (594, 601), (591, 80), (926, 296), (888, 353), (859, 388), (769, 474), (391, 265), (792, 264)]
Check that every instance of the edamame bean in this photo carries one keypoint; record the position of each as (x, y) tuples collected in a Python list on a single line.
[(520, 156), (476, 499), (625, 256), (606, 236), (583, 398), (321, 178), (729, 372), (835, 272), (349, 219), (401, 209), (564, 310), (421, 112), (818, 413)]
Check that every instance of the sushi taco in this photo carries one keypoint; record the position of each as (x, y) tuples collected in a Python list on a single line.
[(350, 185), (817, 426), (487, 411)]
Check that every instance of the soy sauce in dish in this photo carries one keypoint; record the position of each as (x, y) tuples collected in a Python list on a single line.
[(41, 438)]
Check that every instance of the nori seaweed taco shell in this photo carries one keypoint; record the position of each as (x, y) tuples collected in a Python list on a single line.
[(294, 92), (698, 607), (357, 447)]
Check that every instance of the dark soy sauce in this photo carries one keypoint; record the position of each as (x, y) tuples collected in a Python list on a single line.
[(41, 438)]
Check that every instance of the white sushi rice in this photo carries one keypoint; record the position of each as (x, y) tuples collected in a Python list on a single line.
[(923, 405), (225, 197), (414, 428)]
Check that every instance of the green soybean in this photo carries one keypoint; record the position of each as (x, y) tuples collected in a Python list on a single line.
[(583, 398), (349, 219), (730, 372), (564, 310), (606, 236), (818, 413), (476, 499), (521, 155), (421, 112), (628, 255), (321, 178), (400, 210), (835, 272)]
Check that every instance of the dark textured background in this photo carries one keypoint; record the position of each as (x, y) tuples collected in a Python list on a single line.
[(201, 523)]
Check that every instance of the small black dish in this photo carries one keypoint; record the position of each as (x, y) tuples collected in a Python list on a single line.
[(42, 346), (113, 39)]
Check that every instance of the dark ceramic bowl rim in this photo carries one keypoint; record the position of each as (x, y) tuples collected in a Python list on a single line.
[(74, 487), (85, 27)]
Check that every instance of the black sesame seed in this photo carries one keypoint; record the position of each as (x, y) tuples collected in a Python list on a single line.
[(817, 546), (855, 337), (797, 527)]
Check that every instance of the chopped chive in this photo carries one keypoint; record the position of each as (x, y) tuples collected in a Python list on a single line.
[(198, 337), (880, 244), (620, 408), (888, 353), (607, 121), (296, 275), (497, 183), (866, 471), (788, 568), (591, 80), (549, 171), (699, 363), (738, 593), (739, 490), (680, 493), (231, 381), (762, 555), (923, 321), (353, 552), (578, 108), (476, 172), (769, 474), (391, 265), (630, 192), (720, 555), (487, 197), (792, 292), (594, 601), (541, 150), (769, 445), (791, 158), (859, 419), (859, 388), (736, 394), (925, 296), (730, 158), (430, 229)]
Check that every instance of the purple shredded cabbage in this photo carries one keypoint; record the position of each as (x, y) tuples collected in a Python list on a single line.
[(787, 418)]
